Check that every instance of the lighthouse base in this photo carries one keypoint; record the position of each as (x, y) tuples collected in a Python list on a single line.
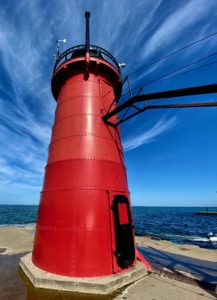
[(90, 285)]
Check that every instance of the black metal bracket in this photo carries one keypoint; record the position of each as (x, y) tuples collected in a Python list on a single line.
[(130, 103)]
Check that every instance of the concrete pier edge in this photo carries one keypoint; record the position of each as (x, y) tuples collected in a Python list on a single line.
[(92, 285)]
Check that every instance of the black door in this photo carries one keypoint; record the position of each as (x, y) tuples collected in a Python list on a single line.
[(125, 249)]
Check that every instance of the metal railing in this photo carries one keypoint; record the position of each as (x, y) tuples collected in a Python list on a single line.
[(68, 54)]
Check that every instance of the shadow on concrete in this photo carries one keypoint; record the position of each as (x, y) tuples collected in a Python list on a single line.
[(186, 269)]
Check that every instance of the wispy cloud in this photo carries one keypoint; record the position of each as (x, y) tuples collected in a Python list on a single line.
[(150, 135), (170, 30)]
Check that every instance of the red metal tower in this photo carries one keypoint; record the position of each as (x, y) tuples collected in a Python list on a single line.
[(84, 226)]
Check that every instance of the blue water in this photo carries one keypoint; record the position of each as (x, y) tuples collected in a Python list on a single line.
[(18, 214), (176, 224)]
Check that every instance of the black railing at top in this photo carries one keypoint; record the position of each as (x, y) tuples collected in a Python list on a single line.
[(67, 55)]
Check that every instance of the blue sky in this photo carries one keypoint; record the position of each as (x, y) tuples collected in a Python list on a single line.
[(170, 154)]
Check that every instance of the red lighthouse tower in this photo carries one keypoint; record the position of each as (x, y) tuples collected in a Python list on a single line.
[(84, 226), (84, 223)]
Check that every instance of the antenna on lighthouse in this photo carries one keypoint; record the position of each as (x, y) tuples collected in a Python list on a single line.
[(58, 43)]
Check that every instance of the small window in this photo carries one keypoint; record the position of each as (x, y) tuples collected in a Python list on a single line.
[(123, 213)]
